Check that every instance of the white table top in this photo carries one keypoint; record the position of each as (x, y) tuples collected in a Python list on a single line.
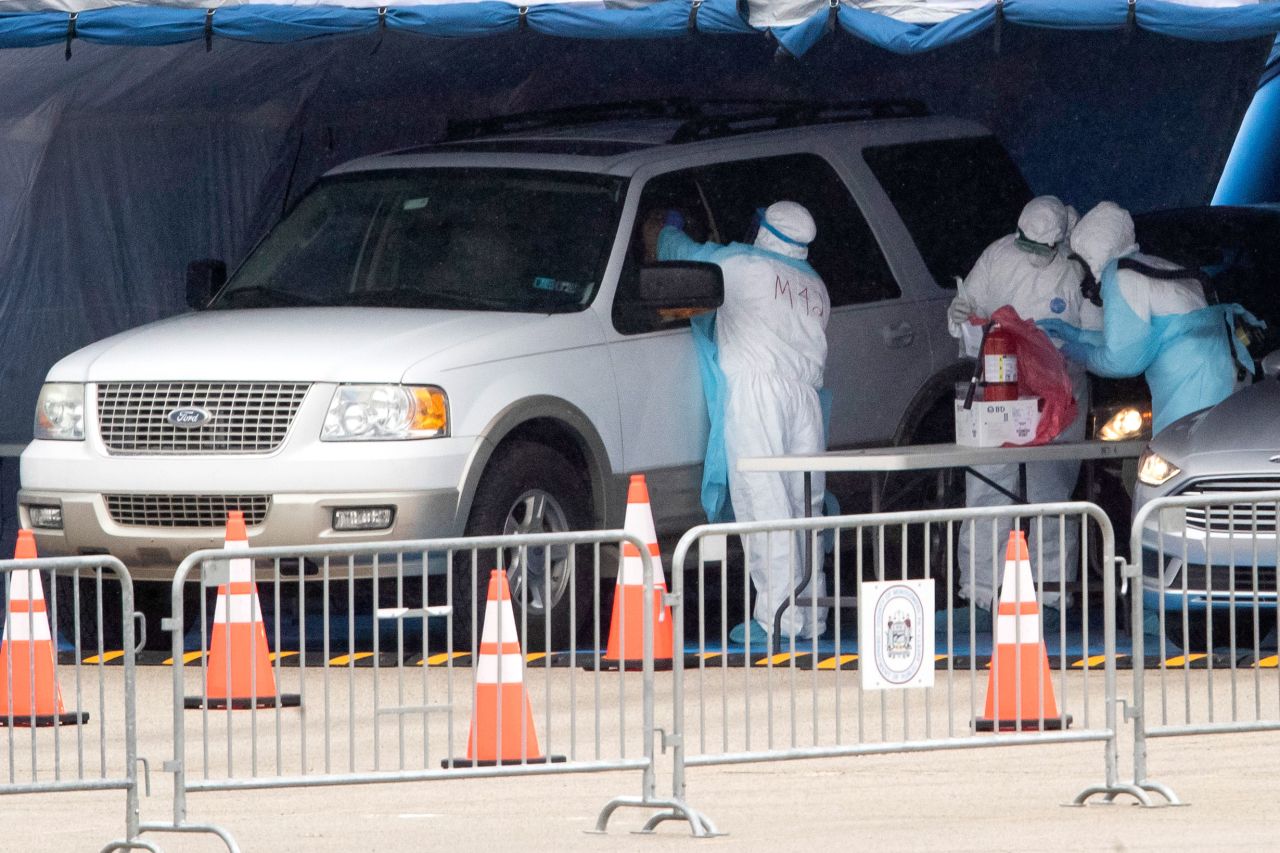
[(918, 457)]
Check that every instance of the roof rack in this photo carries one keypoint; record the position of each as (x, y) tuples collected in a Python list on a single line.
[(729, 118), (699, 119), (668, 108)]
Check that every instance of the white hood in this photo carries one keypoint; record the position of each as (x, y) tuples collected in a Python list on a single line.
[(291, 344)]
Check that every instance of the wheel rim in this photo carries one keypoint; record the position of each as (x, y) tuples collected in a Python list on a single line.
[(546, 569)]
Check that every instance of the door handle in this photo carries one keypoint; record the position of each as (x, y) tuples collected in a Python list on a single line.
[(899, 335)]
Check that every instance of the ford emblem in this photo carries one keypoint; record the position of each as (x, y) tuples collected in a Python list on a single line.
[(189, 417)]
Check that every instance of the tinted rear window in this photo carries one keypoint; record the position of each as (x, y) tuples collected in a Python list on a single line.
[(955, 196)]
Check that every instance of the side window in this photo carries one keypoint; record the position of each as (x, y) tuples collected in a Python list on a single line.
[(844, 253), (679, 191), (956, 196)]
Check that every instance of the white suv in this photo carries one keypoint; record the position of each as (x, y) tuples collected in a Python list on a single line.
[(452, 339)]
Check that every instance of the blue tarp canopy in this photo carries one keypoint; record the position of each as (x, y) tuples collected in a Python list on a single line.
[(901, 26)]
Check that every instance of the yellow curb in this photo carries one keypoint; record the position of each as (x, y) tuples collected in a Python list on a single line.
[(107, 657), (782, 657), (441, 658), (343, 660), (1268, 663), (1093, 661), (186, 658), (534, 656), (274, 656), (832, 663), (1183, 660)]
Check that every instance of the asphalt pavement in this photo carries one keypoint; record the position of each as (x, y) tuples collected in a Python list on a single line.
[(1002, 798)]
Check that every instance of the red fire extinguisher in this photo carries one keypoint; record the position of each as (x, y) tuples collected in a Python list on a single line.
[(999, 365)]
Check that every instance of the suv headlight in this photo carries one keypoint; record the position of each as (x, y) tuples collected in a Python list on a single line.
[(386, 413), (1155, 470), (60, 412)]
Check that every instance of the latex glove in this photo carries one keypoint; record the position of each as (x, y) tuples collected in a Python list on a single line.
[(1060, 329), (960, 311), (1075, 351), (674, 219)]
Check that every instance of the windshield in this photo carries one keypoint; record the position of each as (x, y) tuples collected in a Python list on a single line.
[(465, 239)]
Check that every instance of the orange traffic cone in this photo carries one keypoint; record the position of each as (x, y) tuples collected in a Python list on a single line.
[(1019, 686), (626, 628), (28, 687), (238, 673), (502, 729), (29, 694)]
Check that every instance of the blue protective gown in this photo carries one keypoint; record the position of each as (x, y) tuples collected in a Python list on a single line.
[(1165, 330)]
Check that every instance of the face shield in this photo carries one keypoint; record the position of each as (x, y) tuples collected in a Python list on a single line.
[(1041, 254)]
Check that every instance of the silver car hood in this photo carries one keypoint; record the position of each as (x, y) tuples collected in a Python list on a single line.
[(1228, 437)]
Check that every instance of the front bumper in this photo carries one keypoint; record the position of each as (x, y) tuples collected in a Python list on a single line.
[(1195, 570), (153, 553)]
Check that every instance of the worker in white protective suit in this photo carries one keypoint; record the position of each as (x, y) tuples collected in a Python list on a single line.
[(1028, 272), (1156, 321), (771, 338)]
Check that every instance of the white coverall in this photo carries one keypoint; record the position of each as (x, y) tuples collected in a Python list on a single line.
[(1036, 286), (772, 344)]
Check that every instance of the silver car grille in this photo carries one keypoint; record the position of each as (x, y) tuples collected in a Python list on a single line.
[(185, 510), (245, 417), (1241, 518)]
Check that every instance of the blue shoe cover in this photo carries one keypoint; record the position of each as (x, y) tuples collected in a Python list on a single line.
[(759, 636)]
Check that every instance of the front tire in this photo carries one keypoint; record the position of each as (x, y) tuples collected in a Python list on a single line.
[(529, 488)]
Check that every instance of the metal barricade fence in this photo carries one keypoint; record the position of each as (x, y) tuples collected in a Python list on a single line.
[(800, 700), (403, 707), (69, 715), (1204, 611)]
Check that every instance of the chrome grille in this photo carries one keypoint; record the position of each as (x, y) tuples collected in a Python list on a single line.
[(185, 510), (1241, 518), (246, 417)]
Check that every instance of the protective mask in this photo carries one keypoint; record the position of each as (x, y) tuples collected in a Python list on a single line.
[(1040, 250)]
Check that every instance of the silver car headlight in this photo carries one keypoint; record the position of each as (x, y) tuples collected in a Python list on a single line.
[(386, 413), (60, 412), (1155, 470)]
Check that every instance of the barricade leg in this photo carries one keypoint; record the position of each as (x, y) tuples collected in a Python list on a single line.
[(1112, 787), (674, 808), (1138, 713)]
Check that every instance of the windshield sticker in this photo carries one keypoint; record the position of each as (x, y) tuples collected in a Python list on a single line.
[(572, 288), (416, 203)]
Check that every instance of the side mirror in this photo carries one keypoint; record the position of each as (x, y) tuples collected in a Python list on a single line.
[(1271, 364), (204, 278), (681, 284)]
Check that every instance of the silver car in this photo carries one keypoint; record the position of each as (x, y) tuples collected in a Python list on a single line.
[(1210, 571)]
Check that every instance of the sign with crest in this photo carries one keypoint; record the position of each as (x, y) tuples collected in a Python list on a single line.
[(895, 634)]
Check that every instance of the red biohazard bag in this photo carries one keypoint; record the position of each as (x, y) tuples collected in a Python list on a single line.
[(1042, 372)]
